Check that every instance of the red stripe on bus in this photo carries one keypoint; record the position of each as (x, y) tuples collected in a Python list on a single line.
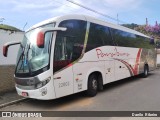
[(137, 61), (128, 66)]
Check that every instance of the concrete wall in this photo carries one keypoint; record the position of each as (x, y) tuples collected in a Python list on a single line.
[(7, 65), (6, 78)]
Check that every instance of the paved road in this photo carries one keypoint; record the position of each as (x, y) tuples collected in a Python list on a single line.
[(132, 94)]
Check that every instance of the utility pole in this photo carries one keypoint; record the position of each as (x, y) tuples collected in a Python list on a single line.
[(25, 26), (117, 19), (146, 21)]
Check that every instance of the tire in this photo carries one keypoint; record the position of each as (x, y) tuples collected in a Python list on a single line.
[(92, 85), (145, 73), (100, 83)]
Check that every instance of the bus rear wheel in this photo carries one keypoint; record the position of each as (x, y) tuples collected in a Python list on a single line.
[(145, 72), (92, 85)]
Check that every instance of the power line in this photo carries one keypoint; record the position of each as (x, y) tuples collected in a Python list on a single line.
[(69, 6), (97, 12), (65, 5)]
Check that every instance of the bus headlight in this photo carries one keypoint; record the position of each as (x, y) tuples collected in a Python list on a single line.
[(43, 83)]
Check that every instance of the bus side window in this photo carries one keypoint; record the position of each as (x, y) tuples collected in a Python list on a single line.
[(98, 36), (144, 43), (122, 38)]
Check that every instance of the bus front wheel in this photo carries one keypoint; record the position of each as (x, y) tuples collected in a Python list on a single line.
[(92, 85)]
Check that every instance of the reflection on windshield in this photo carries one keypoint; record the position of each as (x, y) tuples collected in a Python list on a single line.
[(31, 58)]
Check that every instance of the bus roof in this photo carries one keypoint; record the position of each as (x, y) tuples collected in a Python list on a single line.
[(87, 18)]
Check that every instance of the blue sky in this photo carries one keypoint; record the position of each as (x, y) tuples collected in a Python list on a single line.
[(20, 12)]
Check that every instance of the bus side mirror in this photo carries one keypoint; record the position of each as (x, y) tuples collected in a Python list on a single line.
[(5, 50), (40, 39), (42, 32), (7, 45)]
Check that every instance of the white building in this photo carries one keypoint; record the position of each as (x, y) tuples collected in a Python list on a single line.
[(7, 36)]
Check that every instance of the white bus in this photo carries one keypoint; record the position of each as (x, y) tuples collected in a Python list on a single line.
[(73, 53)]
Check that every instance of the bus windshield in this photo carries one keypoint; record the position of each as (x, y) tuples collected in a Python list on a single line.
[(32, 59)]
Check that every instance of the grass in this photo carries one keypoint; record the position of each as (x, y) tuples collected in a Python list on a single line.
[(8, 27)]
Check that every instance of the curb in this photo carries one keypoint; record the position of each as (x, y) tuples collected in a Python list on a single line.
[(12, 102)]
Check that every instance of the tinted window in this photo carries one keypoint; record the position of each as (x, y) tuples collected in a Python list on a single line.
[(98, 36), (126, 39), (145, 42), (69, 44)]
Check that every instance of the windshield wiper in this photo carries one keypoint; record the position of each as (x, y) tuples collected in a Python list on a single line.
[(29, 67), (24, 59), (22, 55)]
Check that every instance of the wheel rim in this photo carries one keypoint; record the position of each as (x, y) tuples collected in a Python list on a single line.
[(146, 72), (94, 84)]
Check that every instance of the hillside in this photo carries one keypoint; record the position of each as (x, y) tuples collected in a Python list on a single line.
[(150, 30), (131, 26), (8, 27)]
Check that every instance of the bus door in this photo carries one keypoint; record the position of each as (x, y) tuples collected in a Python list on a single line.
[(68, 49), (62, 68)]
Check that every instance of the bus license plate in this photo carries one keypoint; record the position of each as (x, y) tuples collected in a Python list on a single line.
[(25, 94)]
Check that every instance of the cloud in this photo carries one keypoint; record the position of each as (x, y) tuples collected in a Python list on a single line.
[(52, 6), (107, 7), (31, 5), (37, 10), (123, 4)]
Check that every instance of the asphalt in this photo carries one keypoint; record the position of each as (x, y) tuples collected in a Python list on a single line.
[(10, 97)]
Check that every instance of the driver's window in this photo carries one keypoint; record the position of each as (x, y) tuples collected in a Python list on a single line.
[(63, 49)]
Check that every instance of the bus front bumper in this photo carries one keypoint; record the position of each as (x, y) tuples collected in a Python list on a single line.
[(44, 93)]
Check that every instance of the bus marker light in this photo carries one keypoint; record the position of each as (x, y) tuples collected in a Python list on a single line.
[(57, 78)]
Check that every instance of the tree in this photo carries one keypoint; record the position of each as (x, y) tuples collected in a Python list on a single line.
[(150, 30)]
